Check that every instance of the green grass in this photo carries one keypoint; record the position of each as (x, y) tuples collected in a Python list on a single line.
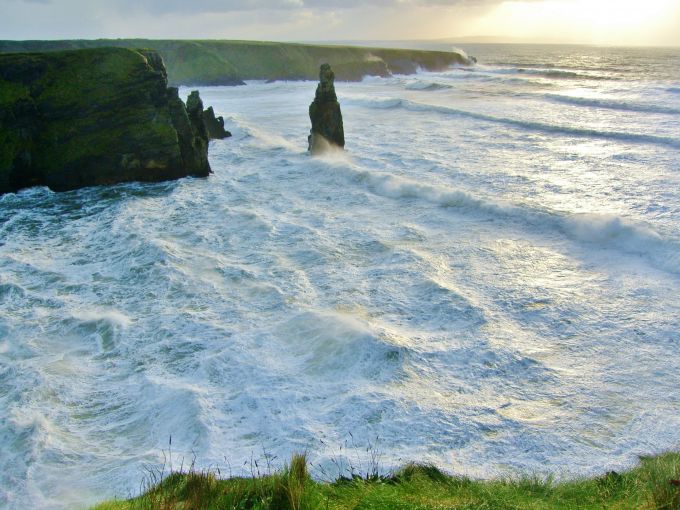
[(648, 486), (213, 62)]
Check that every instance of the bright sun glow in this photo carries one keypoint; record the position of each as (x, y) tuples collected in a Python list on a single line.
[(596, 21)]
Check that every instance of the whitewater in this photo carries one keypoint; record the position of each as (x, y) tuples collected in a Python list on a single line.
[(487, 279)]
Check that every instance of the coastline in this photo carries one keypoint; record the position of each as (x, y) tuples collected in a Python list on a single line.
[(216, 62), (568, 383)]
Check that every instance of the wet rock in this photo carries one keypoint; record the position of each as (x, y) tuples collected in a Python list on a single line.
[(214, 125), (324, 112), (204, 122), (100, 116)]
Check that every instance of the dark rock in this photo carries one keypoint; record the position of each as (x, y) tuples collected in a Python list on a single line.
[(88, 117), (324, 112), (356, 71), (195, 114), (214, 125), (195, 106), (155, 62), (403, 66), (203, 122)]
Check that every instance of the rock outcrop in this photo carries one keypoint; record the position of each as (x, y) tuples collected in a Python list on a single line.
[(214, 125), (204, 121), (100, 116), (325, 114)]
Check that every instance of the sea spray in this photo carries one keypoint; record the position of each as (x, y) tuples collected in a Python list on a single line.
[(478, 290)]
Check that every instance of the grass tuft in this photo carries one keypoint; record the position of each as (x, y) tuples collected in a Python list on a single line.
[(653, 485), (662, 477), (413, 471)]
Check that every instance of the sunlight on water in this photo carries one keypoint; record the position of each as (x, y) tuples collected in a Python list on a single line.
[(487, 279)]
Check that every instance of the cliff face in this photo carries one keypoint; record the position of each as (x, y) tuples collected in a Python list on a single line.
[(230, 62), (80, 118)]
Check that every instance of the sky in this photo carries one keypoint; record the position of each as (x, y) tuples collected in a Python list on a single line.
[(609, 22)]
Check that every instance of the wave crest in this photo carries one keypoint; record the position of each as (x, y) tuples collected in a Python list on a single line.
[(604, 230), (426, 85), (613, 104), (527, 125)]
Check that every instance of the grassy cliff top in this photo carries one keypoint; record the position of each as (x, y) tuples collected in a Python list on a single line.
[(213, 62), (653, 484), (20, 71)]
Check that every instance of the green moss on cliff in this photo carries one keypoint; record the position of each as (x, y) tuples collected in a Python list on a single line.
[(97, 116), (229, 62), (11, 92), (10, 144)]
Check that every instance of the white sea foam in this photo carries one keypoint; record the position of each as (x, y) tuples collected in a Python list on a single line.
[(475, 295), (553, 73), (386, 103), (426, 85), (109, 316), (614, 104), (605, 230)]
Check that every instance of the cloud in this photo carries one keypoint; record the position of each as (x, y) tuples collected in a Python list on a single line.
[(324, 20), (216, 6), (236, 19)]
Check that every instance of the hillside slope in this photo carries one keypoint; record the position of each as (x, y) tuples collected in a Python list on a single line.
[(211, 62)]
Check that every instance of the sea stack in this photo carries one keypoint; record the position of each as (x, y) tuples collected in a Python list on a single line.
[(214, 125), (324, 112)]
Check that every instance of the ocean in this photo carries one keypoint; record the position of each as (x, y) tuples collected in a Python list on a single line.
[(488, 279)]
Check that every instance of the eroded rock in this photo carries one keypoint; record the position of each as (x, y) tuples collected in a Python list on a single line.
[(88, 117), (324, 112), (214, 125)]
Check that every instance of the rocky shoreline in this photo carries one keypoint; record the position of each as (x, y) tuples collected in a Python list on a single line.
[(213, 62), (104, 115)]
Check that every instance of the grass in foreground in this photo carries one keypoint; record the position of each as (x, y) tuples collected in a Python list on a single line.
[(653, 484)]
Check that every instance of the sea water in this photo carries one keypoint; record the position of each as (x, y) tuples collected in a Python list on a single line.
[(487, 279)]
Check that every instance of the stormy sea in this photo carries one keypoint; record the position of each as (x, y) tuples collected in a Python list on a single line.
[(487, 279)]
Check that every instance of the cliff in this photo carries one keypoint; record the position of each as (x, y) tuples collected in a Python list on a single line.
[(230, 62), (70, 119)]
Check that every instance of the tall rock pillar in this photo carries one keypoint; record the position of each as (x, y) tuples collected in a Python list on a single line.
[(324, 112)]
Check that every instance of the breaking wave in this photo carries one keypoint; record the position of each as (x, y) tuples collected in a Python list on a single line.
[(433, 284), (613, 104), (425, 85), (604, 230), (549, 72), (528, 125)]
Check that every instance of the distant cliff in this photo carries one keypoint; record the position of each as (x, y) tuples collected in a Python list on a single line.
[(231, 62), (70, 119)]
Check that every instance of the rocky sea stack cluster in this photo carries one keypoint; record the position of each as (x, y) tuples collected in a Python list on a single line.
[(99, 116), (324, 112)]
